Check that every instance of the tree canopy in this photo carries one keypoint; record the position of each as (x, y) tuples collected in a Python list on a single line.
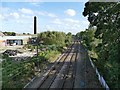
[(54, 37), (9, 33), (105, 40)]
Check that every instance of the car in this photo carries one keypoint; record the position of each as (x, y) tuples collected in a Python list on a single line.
[(11, 52)]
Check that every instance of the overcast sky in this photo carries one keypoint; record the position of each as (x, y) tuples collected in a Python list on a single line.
[(57, 16)]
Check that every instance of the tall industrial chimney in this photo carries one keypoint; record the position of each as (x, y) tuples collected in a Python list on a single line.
[(35, 25)]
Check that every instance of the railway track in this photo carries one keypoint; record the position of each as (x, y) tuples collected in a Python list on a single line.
[(68, 72), (62, 73)]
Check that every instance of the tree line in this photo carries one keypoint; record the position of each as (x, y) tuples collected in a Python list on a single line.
[(53, 37), (102, 39)]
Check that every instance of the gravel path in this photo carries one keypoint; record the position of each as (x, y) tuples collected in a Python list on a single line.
[(87, 71)]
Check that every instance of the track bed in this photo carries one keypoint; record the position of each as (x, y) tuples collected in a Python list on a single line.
[(71, 70)]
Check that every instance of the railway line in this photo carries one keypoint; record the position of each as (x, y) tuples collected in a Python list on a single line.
[(63, 74)]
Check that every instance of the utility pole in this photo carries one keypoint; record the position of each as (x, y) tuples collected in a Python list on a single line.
[(35, 32)]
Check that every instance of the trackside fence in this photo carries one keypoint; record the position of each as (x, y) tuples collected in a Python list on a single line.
[(100, 78)]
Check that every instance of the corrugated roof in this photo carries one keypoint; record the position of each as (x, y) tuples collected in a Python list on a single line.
[(14, 37)]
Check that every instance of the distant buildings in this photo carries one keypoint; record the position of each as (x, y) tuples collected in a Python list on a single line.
[(13, 40)]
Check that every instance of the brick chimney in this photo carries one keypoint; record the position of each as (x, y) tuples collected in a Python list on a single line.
[(35, 25)]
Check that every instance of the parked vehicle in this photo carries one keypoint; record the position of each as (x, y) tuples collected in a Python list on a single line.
[(11, 52)]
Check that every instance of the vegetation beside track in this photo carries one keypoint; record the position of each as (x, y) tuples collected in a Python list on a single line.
[(16, 74), (102, 39)]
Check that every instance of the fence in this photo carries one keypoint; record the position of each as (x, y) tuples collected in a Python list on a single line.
[(100, 78)]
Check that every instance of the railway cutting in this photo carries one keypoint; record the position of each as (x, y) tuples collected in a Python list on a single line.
[(71, 70)]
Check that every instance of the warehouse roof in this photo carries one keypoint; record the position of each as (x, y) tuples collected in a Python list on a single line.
[(14, 37)]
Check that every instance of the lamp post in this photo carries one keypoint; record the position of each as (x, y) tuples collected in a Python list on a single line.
[(37, 46)]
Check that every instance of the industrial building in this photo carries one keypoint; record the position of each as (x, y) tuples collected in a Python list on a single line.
[(13, 40)]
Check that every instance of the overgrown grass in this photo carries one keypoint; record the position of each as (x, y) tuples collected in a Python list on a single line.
[(16, 75), (52, 55)]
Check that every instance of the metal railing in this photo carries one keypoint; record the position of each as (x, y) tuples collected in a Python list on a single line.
[(100, 78)]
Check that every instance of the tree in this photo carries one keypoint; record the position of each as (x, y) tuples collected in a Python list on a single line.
[(106, 17), (68, 39), (9, 33), (54, 37)]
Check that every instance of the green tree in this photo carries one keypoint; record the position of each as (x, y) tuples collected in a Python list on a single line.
[(68, 39), (9, 33), (54, 37), (106, 17)]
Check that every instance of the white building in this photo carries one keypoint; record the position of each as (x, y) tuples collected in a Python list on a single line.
[(13, 40)]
